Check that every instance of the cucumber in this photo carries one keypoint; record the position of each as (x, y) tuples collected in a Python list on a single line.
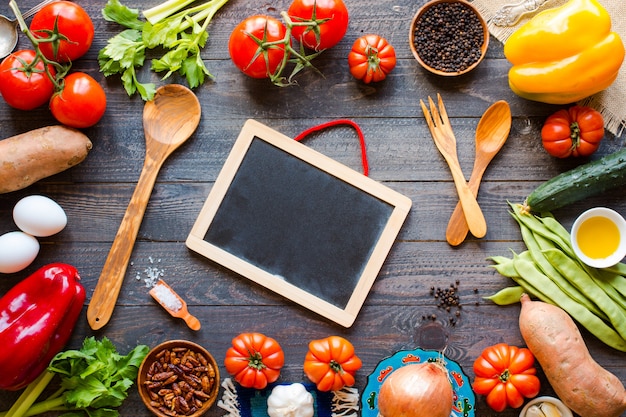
[(584, 181)]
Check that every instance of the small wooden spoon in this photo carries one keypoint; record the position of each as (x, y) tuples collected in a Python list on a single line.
[(491, 133), (180, 311), (168, 121)]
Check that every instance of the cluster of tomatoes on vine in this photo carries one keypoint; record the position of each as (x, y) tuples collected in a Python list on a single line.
[(61, 32), (262, 47)]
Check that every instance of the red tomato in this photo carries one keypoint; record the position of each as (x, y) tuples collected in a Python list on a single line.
[(81, 103), (576, 131), (23, 85), (72, 36), (254, 360), (506, 375), (331, 16), (253, 59), (371, 58), (331, 363)]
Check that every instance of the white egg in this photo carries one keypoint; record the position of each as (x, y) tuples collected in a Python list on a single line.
[(17, 251), (39, 216)]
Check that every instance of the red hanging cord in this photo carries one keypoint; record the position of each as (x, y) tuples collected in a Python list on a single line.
[(337, 123)]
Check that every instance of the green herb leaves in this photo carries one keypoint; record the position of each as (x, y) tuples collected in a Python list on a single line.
[(181, 35), (96, 375)]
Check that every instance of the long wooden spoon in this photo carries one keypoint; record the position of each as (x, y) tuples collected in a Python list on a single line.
[(491, 133), (168, 121)]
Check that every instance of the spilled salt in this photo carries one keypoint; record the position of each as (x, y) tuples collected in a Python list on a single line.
[(152, 273)]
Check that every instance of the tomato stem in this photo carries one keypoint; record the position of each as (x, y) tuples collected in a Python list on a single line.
[(300, 58), (53, 36), (574, 129), (335, 366), (504, 376), (255, 360)]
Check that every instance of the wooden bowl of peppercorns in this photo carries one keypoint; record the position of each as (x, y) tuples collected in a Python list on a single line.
[(448, 37), (178, 378)]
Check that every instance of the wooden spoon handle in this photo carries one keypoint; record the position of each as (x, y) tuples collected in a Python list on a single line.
[(473, 214), (457, 225), (110, 282)]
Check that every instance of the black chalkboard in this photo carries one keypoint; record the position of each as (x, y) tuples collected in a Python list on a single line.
[(299, 223)]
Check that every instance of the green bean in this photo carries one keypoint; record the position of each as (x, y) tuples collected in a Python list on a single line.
[(609, 284), (536, 245), (587, 319), (563, 240), (506, 268), (538, 228), (557, 228), (616, 281), (586, 284), (535, 287), (613, 278), (619, 269), (507, 295)]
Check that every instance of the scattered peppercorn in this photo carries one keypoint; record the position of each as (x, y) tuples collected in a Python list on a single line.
[(448, 37), (448, 300)]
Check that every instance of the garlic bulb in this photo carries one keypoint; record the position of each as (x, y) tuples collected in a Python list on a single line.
[(290, 401), (543, 410)]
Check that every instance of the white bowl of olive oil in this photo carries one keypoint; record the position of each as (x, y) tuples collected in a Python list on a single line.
[(599, 237)]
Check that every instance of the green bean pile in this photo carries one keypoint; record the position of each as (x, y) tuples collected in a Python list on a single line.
[(550, 271)]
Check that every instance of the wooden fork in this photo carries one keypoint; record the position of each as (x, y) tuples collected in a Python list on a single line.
[(442, 134)]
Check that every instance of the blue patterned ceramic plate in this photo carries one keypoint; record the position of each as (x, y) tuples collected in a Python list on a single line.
[(464, 399)]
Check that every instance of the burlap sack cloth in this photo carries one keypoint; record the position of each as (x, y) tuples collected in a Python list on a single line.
[(610, 102)]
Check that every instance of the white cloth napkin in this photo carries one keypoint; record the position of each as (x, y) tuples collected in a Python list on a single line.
[(610, 102)]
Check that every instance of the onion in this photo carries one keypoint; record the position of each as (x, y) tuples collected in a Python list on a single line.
[(416, 390)]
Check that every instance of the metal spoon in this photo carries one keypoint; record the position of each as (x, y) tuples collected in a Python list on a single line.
[(510, 14), (168, 120), (491, 133), (9, 32)]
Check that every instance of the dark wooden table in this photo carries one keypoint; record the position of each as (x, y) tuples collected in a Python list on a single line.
[(397, 312)]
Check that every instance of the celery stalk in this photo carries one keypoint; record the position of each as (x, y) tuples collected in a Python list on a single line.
[(29, 396), (157, 13)]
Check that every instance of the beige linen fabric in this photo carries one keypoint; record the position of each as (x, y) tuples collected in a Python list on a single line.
[(610, 102)]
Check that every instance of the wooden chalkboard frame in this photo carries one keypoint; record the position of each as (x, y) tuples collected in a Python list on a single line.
[(400, 206)]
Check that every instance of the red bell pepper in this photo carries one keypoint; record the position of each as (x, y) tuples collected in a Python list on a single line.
[(37, 317)]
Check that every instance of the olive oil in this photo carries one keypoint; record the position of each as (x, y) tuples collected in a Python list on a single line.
[(598, 237)]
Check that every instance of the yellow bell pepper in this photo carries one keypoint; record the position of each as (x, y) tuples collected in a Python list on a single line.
[(564, 54)]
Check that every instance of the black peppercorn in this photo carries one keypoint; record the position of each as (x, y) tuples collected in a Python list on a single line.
[(448, 37)]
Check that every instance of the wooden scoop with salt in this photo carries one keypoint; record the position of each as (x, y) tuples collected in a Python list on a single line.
[(173, 303)]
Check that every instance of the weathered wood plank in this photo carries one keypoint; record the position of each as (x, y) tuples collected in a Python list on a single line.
[(396, 314)]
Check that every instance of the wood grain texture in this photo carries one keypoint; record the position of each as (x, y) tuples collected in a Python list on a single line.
[(401, 153)]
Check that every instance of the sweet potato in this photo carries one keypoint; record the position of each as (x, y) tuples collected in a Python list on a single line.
[(578, 380), (40, 153)]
